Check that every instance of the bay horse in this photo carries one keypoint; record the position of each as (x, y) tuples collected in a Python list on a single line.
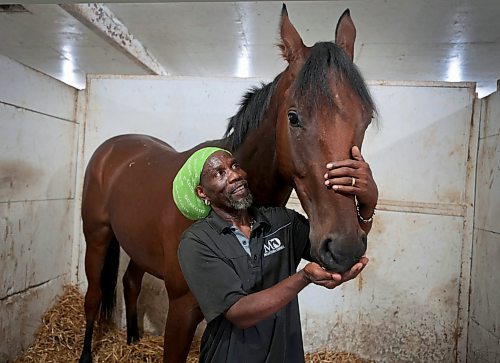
[(283, 135)]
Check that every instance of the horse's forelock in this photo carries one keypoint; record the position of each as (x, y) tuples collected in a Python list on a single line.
[(311, 86)]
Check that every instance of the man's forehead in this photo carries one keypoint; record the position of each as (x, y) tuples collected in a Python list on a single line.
[(216, 160)]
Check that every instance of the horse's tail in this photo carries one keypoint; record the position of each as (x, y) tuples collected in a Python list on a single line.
[(109, 276)]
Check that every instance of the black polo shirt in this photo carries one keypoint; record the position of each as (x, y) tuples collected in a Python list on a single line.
[(219, 272)]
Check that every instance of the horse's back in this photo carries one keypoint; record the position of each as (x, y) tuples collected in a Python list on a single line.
[(128, 187), (112, 159), (126, 146)]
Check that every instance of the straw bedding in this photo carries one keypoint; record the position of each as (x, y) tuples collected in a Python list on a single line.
[(60, 338)]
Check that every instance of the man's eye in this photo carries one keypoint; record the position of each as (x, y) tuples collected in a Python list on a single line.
[(235, 166)]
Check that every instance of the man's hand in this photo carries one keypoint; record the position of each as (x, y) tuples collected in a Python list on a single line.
[(251, 309), (353, 176), (319, 276)]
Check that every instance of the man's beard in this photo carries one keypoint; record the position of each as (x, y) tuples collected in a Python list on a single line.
[(242, 203)]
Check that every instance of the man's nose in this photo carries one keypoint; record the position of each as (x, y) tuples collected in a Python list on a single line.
[(233, 176)]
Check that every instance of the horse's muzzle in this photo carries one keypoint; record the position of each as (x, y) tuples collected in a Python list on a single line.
[(338, 252)]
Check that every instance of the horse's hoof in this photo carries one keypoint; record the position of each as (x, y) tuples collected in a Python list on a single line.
[(133, 339), (85, 358)]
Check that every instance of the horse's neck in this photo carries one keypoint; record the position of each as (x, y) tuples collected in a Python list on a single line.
[(257, 156)]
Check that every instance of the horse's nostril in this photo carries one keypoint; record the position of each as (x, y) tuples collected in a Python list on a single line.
[(339, 252), (330, 247), (327, 258), (364, 239)]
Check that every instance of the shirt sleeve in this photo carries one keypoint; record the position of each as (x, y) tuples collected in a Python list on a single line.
[(212, 280), (301, 242)]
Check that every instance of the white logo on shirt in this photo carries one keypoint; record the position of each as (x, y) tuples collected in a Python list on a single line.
[(272, 246)]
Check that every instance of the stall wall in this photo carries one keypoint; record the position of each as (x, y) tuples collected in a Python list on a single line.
[(484, 324), (411, 303), (37, 177)]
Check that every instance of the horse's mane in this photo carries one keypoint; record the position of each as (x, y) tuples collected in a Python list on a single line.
[(311, 83), (252, 108)]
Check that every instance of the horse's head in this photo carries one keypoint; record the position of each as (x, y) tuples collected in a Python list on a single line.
[(324, 110)]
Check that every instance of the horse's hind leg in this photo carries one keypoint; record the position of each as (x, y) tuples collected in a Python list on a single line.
[(184, 315), (132, 280), (97, 247)]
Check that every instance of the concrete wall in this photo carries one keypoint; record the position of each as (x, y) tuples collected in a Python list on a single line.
[(37, 176), (484, 323)]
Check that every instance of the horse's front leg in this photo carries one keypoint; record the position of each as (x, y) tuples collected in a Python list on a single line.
[(184, 315), (132, 281)]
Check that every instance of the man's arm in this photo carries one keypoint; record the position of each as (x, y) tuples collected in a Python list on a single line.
[(252, 309)]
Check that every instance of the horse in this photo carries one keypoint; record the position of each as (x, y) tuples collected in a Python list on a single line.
[(283, 135)]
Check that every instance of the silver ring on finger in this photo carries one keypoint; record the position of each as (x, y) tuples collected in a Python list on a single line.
[(353, 181)]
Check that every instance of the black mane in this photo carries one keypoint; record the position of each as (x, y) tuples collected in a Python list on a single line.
[(311, 83), (313, 77), (252, 108)]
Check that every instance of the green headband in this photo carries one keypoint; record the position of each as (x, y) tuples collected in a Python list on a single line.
[(186, 181)]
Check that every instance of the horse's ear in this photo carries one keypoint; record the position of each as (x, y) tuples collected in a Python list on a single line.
[(291, 45), (345, 33)]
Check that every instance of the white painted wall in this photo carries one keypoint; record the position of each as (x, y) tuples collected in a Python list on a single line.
[(484, 323), (411, 303), (37, 176)]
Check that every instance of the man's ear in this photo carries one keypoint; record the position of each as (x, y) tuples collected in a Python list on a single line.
[(200, 193)]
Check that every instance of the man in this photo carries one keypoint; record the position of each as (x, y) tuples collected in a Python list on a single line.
[(247, 294)]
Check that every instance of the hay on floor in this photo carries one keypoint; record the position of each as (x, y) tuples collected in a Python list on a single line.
[(60, 340)]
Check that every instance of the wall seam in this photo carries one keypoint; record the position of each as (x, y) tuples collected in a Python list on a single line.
[(35, 200), (31, 287), (484, 329), (37, 112), (487, 230)]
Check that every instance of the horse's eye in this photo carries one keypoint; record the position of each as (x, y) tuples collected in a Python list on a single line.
[(293, 117)]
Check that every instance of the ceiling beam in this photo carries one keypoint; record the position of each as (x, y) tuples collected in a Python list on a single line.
[(100, 19)]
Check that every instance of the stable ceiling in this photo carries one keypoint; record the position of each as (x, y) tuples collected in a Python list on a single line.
[(446, 40)]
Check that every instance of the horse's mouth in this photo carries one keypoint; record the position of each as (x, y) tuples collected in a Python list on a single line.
[(335, 258)]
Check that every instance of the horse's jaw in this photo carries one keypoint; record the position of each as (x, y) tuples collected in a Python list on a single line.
[(337, 240)]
